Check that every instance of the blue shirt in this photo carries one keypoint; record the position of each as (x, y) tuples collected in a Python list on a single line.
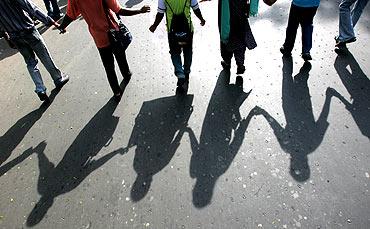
[(15, 15), (306, 3)]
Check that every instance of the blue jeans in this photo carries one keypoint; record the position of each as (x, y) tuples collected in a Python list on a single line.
[(30, 43), (300, 16), (175, 51), (348, 19)]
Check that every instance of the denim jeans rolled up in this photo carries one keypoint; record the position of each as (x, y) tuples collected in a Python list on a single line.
[(348, 18), (30, 44)]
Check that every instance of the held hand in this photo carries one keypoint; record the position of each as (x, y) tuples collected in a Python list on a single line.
[(145, 9), (62, 31), (58, 27), (152, 28), (10, 43), (202, 22)]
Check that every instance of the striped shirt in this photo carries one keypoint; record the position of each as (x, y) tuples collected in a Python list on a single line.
[(15, 15)]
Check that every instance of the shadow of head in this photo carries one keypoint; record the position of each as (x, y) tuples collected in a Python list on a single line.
[(203, 190), (141, 187), (299, 168)]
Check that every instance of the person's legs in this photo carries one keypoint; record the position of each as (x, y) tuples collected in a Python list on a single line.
[(357, 11), (291, 30), (307, 28), (107, 58), (188, 57), (48, 7), (175, 51), (239, 55), (31, 61), (56, 10), (122, 63), (226, 55), (346, 31), (37, 43)]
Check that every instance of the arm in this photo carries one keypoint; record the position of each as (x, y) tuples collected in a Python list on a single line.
[(34, 11), (7, 39), (66, 21), (197, 12), (129, 12), (158, 19)]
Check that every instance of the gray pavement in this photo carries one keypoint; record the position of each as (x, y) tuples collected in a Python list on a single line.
[(211, 159)]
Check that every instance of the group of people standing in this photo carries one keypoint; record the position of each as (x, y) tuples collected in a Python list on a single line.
[(18, 28)]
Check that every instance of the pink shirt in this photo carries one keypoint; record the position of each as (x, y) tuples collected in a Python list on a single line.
[(93, 13)]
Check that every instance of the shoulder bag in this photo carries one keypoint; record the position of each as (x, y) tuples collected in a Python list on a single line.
[(119, 39)]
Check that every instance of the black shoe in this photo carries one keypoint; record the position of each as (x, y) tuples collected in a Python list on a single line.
[(225, 65), (342, 44), (285, 52), (240, 69), (181, 82), (306, 56), (43, 96), (62, 81)]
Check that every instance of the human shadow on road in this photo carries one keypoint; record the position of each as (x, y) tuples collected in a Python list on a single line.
[(358, 86), (302, 134), (11, 139), (8, 166), (221, 137), (5, 50), (78, 161), (159, 128)]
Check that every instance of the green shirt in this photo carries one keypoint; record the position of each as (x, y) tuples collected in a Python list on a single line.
[(171, 7)]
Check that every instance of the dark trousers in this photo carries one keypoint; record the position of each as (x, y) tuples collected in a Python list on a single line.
[(300, 16), (182, 68), (52, 7), (239, 55), (107, 55)]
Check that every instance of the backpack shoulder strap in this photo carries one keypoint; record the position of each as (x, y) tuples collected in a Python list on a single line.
[(183, 10), (169, 6)]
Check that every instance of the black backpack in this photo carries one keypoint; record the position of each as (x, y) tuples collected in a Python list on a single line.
[(180, 31)]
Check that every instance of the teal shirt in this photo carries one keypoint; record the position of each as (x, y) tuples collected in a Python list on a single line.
[(225, 21)]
